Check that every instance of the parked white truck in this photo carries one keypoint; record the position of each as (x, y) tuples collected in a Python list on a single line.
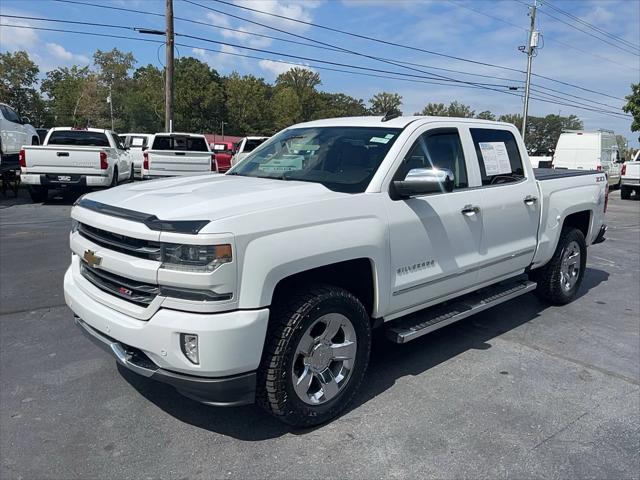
[(74, 158), (15, 132), (177, 154), (264, 284), (137, 143), (630, 177), (245, 147), (583, 150)]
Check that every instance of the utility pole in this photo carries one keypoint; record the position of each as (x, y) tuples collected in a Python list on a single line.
[(530, 49), (168, 115)]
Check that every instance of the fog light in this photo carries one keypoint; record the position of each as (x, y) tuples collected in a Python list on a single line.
[(189, 346)]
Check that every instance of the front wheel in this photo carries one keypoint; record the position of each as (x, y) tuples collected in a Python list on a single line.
[(38, 194), (315, 357), (559, 280)]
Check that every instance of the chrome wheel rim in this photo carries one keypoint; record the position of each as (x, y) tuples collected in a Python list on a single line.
[(570, 267), (324, 359)]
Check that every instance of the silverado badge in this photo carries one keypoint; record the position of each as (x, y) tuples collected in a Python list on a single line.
[(91, 258)]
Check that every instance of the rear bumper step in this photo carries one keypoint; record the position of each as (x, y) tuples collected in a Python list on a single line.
[(428, 320)]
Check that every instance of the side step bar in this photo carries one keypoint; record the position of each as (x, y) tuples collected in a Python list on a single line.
[(433, 318)]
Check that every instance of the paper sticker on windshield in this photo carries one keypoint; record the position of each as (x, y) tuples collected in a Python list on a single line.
[(389, 136), (285, 163), (379, 140), (495, 158), (304, 146)]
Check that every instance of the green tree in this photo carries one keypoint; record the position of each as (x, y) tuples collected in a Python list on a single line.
[(144, 101), (457, 109), (114, 83), (18, 79), (199, 97), (434, 110), (486, 115), (385, 102), (633, 107), (287, 108), (64, 88), (247, 105), (303, 83), (622, 147), (543, 132), (514, 118), (332, 105)]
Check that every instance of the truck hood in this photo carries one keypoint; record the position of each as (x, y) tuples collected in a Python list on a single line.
[(210, 197)]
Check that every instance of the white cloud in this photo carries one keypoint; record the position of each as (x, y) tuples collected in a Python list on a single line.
[(60, 53), (276, 68), (224, 61), (17, 38)]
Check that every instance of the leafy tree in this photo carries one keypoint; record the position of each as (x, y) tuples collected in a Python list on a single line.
[(434, 110), (114, 82), (622, 147), (287, 108), (144, 101), (543, 132), (303, 83), (339, 105), (247, 104), (633, 107), (64, 88), (514, 118), (486, 115), (18, 79), (385, 102), (457, 109), (199, 97)]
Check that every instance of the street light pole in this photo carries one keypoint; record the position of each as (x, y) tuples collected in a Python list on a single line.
[(168, 116), (222, 123)]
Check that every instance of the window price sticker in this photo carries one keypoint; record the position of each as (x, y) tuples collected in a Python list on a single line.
[(495, 158)]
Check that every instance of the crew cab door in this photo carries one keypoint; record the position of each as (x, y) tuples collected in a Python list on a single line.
[(509, 203), (435, 239)]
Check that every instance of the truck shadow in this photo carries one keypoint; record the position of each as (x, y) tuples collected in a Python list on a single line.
[(389, 362)]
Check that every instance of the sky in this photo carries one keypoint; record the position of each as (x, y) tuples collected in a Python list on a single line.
[(474, 31)]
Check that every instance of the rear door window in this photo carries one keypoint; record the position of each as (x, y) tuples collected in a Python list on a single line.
[(9, 114), (252, 144), (78, 138), (498, 156), (190, 144)]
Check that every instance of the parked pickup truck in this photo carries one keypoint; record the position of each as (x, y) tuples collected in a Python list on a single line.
[(264, 284), (630, 177), (73, 157), (176, 154), (245, 147), (136, 143)]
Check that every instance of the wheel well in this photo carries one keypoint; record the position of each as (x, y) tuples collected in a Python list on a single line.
[(355, 276), (579, 220)]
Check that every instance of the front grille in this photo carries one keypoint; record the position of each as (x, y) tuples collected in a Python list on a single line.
[(121, 243), (131, 290)]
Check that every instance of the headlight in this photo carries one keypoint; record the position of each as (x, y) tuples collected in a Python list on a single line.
[(195, 258), (74, 225)]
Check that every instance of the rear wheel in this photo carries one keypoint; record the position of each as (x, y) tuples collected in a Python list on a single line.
[(315, 357), (38, 194), (625, 192), (560, 279)]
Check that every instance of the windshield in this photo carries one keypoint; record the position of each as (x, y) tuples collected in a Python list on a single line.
[(343, 159), (179, 142)]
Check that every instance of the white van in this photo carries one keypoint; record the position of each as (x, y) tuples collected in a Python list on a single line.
[(582, 150)]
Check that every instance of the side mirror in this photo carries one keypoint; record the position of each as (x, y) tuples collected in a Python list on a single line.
[(421, 181)]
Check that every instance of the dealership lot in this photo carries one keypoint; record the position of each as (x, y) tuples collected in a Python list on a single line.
[(522, 390)]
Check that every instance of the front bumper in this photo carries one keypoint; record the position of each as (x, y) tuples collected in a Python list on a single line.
[(62, 180), (228, 391), (230, 344)]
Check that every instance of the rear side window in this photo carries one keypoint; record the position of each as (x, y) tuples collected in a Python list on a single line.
[(81, 138), (9, 114), (498, 155), (252, 144), (190, 144)]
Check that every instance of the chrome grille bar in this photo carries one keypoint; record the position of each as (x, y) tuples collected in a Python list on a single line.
[(121, 243)]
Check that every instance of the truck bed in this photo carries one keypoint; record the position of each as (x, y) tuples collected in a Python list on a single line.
[(543, 174)]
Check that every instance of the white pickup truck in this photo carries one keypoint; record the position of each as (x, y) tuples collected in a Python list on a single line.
[(177, 154), (74, 158), (264, 284), (245, 147), (630, 177)]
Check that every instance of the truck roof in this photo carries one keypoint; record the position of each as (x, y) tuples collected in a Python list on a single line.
[(398, 122), (181, 134), (98, 130)]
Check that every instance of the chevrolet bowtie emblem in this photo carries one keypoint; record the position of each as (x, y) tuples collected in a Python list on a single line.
[(91, 258)]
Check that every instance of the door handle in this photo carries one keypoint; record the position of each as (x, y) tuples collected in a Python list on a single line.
[(530, 200), (470, 210)]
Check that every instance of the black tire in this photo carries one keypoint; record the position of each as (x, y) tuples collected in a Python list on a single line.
[(625, 192), (114, 180), (38, 194), (549, 279), (289, 322)]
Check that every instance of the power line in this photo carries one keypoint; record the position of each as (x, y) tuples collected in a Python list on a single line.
[(593, 27), (601, 111), (555, 40), (339, 49), (409, 47)]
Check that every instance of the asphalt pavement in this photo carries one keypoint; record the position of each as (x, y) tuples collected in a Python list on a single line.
[(523, 390)]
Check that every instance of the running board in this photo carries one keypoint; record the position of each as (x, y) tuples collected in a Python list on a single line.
[(433, 318)]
